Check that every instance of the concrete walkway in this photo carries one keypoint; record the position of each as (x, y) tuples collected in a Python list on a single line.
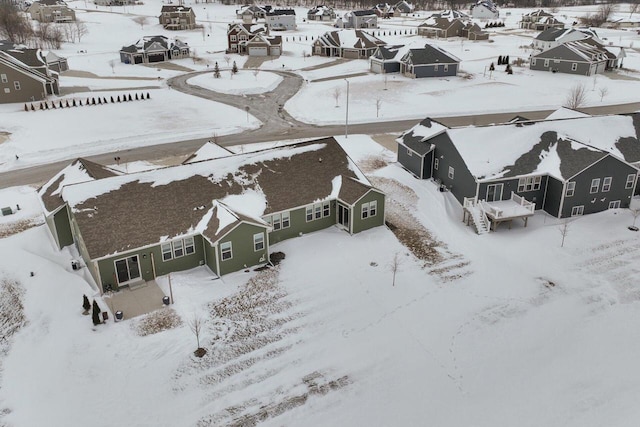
[(135, 302)]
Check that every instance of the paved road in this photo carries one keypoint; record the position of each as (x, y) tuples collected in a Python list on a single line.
[(278, 125)]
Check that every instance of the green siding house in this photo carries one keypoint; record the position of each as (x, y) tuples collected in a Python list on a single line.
[(223, 212)]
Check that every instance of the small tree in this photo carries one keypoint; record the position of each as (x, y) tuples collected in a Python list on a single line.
[(112, 64), (227, 59), (394, 267), (86, 305), (564, 231), (216, 71), (603, 91), (141, 20), (234, 68), (378, 105), (256, 72), (196, 324), (81, 30), (336, 95), (96, 313), (635, 213), (576, 97)]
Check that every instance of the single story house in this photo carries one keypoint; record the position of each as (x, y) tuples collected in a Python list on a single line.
[(567, 167), (281, 20), (585, 57), (251, 13), (322, 13), (403, 8), (484, 9), (56, 63), (386, 59), (429, 61), (355, 44), (25, 77), (177, 17), (51, 11), (151, 49), (224, 213), (553, 37)]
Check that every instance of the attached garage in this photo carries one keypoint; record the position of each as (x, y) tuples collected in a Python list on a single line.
[(376, 66), (258, 51), (275, 51)]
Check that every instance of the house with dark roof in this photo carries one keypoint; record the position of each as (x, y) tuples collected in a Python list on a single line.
[(151, 49), (177, 17), (403, 8), (322, 13), (358, 19), (553, 37), (386, 59), (251, 13), (384, 10), (539, 20), (261, 44), (114, 2), (585, 57), (281, 20), (239, 34), (449, 25), (484, 9), (354, 44), (51, 11), (25, 75), (224, 213), (566, 167), (429, 61)]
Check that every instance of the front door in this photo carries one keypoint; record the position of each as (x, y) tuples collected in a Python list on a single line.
[(343, 216), (127, 269), (494, 192)]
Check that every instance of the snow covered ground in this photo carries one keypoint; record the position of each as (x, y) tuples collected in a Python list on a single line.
[(503, 329)]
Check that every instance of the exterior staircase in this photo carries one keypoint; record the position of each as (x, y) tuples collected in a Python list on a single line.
[(476, 215)]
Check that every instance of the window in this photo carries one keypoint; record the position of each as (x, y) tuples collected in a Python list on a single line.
[(369, 209), (309, 213), (276, 222), (574, 66), (577, 210), (226, 251), (285, 220), (317, 211), (189, 245), (529, 183), (409, 152), (631, 178), (233, 37), (436, 163), (7, 90), (178, 249), (614, 205), (606, 184), (258, 242), (326, 209), (3, 77), (16, 85), (451, 172), (571, 189), (546, 62), (365, 210), (167, 253), (595, 185)]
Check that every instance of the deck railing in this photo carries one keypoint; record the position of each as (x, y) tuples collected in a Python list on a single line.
[(523, 202)]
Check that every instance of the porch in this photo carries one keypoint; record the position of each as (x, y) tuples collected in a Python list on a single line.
[(487, 216), (135, 301)]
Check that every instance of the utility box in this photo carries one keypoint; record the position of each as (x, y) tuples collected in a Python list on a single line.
[(7, 211), (75, 264)]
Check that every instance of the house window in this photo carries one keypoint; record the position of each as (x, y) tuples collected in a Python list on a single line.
[(606, 184), (233, 37), (317, 211), (167, 253), (258, 242), (571, 189), (189, 245), (451, 172), (436, 163), (7, 90), (309, 213), (409, 152), (546, 62), (631, 178), (16, 85), (285, 220), (574, 66), (226, 251), (614, 205), (595, 185), (326, 209), (3, 77), (577, 210), (365, 210), (373, 208), (276, 222), (529, 183), (533, 62), (178, 249), (242, 37)]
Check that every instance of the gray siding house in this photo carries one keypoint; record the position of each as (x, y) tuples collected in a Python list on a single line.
[(24, 76), (386, 59), (354, 44), (584, 58), (224, 213), (544, 165), (429, 61)]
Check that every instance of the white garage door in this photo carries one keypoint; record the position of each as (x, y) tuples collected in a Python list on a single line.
[(257, 51), (275, 51), (376, 67)]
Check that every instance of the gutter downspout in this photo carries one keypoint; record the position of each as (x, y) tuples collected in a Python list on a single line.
[(153, 265), (215, 248), (564, 192)]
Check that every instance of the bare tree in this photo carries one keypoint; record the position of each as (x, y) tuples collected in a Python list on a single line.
[(14, 26), (112, 64), (576, 97), (49, 35), (141, 20), (256, 71), (635, 213), (394, 267), (81, 30), (633, 8), (603, 91), (564, 231), (378, 105), (227, 59), (196, 324), (336, 95)]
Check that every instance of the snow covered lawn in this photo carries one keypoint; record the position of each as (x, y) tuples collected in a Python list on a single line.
[(245, 82)]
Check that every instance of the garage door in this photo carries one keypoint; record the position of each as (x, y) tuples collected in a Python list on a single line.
[(376, 67), (275, 51), (257, 51)]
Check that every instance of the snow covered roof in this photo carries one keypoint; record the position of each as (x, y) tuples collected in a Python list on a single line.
[(210, 150), (584, 50), (130, 211), (430, 54), (560, 148), (565, 113), (485, 3), (350, 39), (418, 136)]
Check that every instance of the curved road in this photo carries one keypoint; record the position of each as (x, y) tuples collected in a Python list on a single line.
[(277, 125)]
